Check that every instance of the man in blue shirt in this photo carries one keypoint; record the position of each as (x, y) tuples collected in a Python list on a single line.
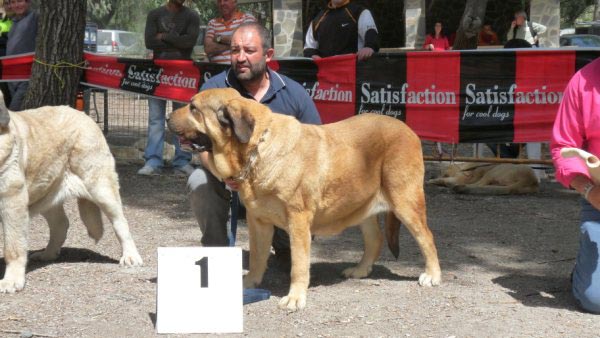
[(250, 51)]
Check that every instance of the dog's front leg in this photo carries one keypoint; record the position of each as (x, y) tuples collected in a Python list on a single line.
[(299, 230), (261, 236), (15, 218)]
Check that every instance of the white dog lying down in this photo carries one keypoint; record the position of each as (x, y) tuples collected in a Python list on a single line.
[(47, 155), (493, 179)]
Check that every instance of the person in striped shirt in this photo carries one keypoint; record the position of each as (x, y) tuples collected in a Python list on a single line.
[(217, 40)]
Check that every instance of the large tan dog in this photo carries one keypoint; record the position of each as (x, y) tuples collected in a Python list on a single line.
[(311, 179), (492, 179), (47, 155)]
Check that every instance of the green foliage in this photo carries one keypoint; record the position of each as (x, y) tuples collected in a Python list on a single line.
[(570, 10), (130, 15)]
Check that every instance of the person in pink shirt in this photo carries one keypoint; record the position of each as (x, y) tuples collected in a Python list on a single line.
[(436, 41), (577, 125)]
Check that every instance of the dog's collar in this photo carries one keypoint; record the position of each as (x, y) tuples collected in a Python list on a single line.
[(253, 156)]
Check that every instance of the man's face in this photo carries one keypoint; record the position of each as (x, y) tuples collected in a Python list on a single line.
[(520, 20), (226, 7), (337, 2), (248, 58), (19, 7), (487, 28), (178, 3)]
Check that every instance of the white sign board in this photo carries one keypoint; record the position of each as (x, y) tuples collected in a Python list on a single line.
[(199, 290)]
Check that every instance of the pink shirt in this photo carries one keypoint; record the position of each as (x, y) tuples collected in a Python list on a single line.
[(577, 122), (438, 44)]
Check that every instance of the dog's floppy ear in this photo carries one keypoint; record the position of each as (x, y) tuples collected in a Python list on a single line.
[(4, 116), (235, 115)]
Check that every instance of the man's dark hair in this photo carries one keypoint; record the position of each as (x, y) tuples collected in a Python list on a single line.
[(264, 34)]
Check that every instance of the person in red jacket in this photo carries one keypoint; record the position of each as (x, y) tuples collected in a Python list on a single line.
[(438, 40)]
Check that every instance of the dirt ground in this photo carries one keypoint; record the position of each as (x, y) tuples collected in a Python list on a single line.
[(505, 262)]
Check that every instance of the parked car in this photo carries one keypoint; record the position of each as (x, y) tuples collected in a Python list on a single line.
[(579, 40), (121, 43)]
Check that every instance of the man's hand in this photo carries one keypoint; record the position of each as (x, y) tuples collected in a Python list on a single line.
[(316, 57), (232, 184), (364, 53), (513, 24), (160, 36), (430, 47)]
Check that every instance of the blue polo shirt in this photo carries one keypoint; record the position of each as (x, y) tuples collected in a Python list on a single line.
[(284, 96)]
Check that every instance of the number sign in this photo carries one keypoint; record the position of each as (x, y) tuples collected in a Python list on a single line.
[(199, 290)]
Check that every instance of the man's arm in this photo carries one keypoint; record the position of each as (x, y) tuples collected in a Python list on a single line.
[(211, 47), (151, 32), (189, 37), (367, 32), (311, 46), (538, 28)]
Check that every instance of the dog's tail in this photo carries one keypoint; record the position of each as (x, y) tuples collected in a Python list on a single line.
[(513, 189), (91, 217), (392, 233)]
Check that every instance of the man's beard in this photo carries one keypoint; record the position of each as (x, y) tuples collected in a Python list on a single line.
[(256, 71)]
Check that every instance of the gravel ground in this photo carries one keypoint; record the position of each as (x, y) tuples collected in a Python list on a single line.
[(505, 262)]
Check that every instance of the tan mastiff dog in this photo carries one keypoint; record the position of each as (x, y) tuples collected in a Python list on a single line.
[(47, 155), (311, 179)]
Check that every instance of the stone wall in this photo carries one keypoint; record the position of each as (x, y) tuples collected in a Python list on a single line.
[(547, 13), (287, 28), (414, 19)]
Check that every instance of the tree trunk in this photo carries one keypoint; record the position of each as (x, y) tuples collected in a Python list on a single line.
[(470, 25), (597, 10), (59, 48)]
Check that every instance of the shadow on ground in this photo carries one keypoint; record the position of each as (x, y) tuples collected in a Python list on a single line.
[(67, 255), (539, 291)]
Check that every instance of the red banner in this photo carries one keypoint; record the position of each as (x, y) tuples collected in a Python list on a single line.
[(466, 96)]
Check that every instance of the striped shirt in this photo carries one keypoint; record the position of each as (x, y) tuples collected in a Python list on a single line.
[(218, 26)]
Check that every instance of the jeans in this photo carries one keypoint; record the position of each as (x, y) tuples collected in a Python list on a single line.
[(156, 136), (586, 275), (210, 201), (17, 92)]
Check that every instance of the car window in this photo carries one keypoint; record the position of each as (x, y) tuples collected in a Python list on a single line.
[(127, 39), (587, 41), (104, 38)]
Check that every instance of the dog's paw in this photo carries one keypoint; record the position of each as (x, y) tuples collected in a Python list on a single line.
[(44, 256), (428, 280), (293, 301), (131, 259), (357, 272), (11, 285)]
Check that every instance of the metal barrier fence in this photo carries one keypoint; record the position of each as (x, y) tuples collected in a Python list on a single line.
[(123, 117)]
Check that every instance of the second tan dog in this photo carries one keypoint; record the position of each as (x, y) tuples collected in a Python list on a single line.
[(493, 179), (311, 179)]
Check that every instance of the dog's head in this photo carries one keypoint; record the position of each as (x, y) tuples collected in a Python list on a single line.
[(456, 169), (220, 121)]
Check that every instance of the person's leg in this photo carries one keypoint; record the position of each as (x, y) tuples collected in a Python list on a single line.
[(156, 132), (17, 91), (182, 158), (534, 152), (586, 275), (209, 200)]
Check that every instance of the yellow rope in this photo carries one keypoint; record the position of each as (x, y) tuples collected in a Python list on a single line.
[(61, 64)]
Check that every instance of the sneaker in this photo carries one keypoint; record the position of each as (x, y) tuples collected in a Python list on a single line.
[(185, 170), (149, 170)]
